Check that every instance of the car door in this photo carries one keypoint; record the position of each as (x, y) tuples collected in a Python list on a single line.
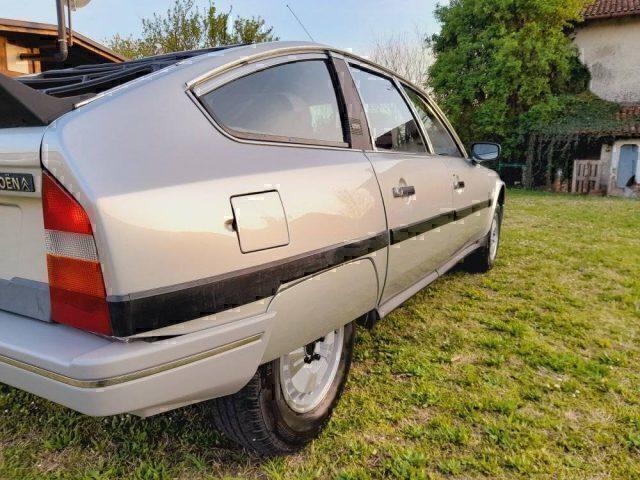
[(470, 183), (415, 184)]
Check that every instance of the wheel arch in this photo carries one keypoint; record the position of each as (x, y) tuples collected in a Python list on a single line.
[(302, 313), (502, 195)]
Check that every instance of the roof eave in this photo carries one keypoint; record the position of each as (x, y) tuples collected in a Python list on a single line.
[(47, 29), (610, 16)]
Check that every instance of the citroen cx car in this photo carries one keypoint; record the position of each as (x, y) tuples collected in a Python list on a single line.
[(212, 226)]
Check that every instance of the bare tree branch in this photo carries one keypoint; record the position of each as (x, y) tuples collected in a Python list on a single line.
[(407, 54)]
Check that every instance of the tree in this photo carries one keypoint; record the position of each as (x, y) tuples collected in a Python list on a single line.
[(184, 26), (408, 55), (501, 65)]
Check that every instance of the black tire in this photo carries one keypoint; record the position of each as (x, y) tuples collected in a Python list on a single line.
[(482, 260), (258, 419)]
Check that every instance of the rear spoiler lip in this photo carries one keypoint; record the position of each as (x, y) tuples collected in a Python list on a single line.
[(23, 106)]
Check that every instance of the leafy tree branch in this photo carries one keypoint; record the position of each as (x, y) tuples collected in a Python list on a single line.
[(501, 62), (184, 26)]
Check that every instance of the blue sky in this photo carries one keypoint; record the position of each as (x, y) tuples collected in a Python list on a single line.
[(348, 24)]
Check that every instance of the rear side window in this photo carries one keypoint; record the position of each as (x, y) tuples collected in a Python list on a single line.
[(390, 119), (294, 102), (443, 143)]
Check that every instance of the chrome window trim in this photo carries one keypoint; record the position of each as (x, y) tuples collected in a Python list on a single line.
[(305, 49), (226, 77), (247, 141), (251, 68), (396, 152), (275, 53)]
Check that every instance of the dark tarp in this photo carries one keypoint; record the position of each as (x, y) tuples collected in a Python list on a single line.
[(22, 106)]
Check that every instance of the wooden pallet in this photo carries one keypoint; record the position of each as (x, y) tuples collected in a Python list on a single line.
[(586, 177)]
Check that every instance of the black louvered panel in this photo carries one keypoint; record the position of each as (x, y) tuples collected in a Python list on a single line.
[(93, 79)]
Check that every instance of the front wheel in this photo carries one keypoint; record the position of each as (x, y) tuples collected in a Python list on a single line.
[(483, 259), (288, 401)]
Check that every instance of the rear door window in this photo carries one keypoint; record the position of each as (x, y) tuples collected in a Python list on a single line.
[(442, 141), (293, 102), (390, 119)]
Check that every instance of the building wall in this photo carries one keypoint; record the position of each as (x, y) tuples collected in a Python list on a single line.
[(18, 37), (606, 159), (10, 62), (611, 51)]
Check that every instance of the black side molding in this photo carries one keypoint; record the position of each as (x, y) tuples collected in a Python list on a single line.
[(402, 234), (22, 106), (148, 311), (208, 296)]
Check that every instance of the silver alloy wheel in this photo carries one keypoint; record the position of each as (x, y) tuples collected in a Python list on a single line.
[(307, 373), (494, 239)]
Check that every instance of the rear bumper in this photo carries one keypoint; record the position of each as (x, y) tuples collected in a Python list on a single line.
[(99, 377)]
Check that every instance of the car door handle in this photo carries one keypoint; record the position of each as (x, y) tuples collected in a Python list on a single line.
[(459, 185), (399, 192)]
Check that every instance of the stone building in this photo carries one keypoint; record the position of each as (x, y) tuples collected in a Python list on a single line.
[(609, 45)]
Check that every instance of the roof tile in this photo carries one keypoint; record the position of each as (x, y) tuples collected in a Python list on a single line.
[(628, 124), (612, 9)]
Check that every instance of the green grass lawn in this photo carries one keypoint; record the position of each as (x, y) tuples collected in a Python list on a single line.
[(530, 370)]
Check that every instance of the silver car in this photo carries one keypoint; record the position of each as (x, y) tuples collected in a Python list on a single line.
[(212, 225)]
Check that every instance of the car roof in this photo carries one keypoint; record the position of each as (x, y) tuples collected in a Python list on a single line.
[(232, 57), (95, 82), (92, 80)]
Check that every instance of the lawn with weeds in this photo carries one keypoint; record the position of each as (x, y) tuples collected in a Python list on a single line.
[(532, 370)]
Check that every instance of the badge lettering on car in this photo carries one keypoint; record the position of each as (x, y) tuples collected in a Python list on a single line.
[(17, 182)]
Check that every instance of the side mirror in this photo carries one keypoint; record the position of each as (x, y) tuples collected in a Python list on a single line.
[(485, 152)]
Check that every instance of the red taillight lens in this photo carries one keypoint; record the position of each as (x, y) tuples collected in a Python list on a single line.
[(61, 211), (80, 311), (76, 285)]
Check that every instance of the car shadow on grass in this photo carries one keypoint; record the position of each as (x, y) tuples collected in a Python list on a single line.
[(54, 439)]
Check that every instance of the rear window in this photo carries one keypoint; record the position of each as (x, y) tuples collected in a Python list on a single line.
[(294, 102)]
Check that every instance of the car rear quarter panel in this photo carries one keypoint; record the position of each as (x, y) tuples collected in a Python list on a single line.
[(156, 179)]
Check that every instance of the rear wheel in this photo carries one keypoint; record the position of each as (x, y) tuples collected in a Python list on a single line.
[(288, 401), (483, 259)]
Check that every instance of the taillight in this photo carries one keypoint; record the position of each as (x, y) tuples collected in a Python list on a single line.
[(76, 285)]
